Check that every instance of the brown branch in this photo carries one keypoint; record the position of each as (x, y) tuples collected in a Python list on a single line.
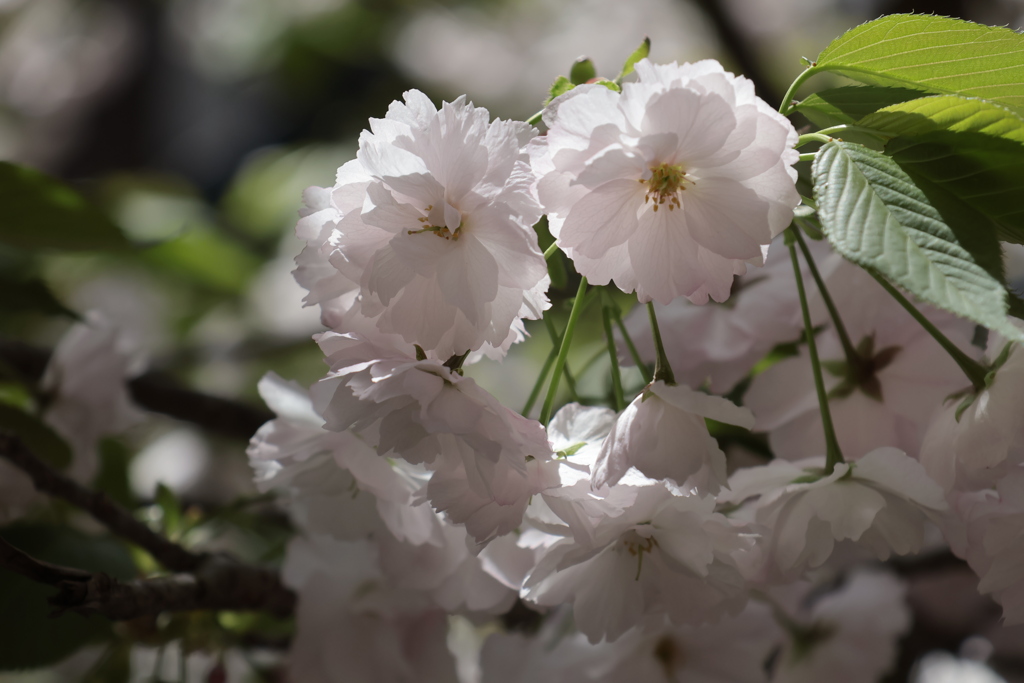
[(219, 584), (118, 520), (155, 392), (211, 582)]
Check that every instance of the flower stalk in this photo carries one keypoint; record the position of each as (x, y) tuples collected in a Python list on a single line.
[(662, 368), (563, 352), (974, 370), (833, 455)]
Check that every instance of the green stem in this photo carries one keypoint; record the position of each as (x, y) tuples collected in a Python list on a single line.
[(786, 107), (550, 251), (535, 392), (853, 358), (810, 156), (974, 370), (811, 137), (633, 353), (535, 119), (620, 400), (662, 368), (563, 352), (832, 453), (556, 341), (845, 127)]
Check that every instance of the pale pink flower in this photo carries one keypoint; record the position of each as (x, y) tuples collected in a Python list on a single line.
[(882, 502), (334, 481), (353, 627), (86, 381), (722, 344), (487, 459), (436, 227), (911, 375), (852, 633), (986, 440), (663, 556), (663, 434), (995, 542), (671, 187)]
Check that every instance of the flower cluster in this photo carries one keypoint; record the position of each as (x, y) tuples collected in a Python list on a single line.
[(638, 537)]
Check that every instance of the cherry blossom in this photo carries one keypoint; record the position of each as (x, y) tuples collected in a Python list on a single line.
[(882, 501), (665, 555), (671, 187), (970, 448), (905, 378), (850, 635), (436, 227), (663, 434), (487, 460)]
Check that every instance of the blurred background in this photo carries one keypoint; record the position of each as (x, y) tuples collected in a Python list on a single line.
[(196, 124)]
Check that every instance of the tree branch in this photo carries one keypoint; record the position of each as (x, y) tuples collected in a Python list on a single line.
[(219, 584), (212, 582), (118, 520), (156, 392)]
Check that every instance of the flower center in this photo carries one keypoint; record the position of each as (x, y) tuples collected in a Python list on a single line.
[(636, 545), (665, 184), (439, 230)]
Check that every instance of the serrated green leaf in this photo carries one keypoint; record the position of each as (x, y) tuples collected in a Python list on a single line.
[(849, 104), (874, 215), (29, 636), (954, 113), (582, 71), (40, 212), (36, 435), (932, 53), (561, 86), (984, 172), (640, 53)]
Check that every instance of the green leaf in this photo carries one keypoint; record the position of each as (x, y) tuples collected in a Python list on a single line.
[(874, 215), (982, 171), (18, 295), (171, 510), (30, 637), (849, 104), (203, 256), (40, 212), (946, 112), (932, 53), (640, 53), (582, 71), (37, 436), (561, 86)]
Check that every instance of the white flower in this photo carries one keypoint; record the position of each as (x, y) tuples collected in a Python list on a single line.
[(663, 434), (907, 377), (664, 556), (670, 188), (436, 226), (487, 459), (86, 380), (353, 627), (721, 344), (881, 501), (995, 542), (336, 483), (972, 452), (852, 633)]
